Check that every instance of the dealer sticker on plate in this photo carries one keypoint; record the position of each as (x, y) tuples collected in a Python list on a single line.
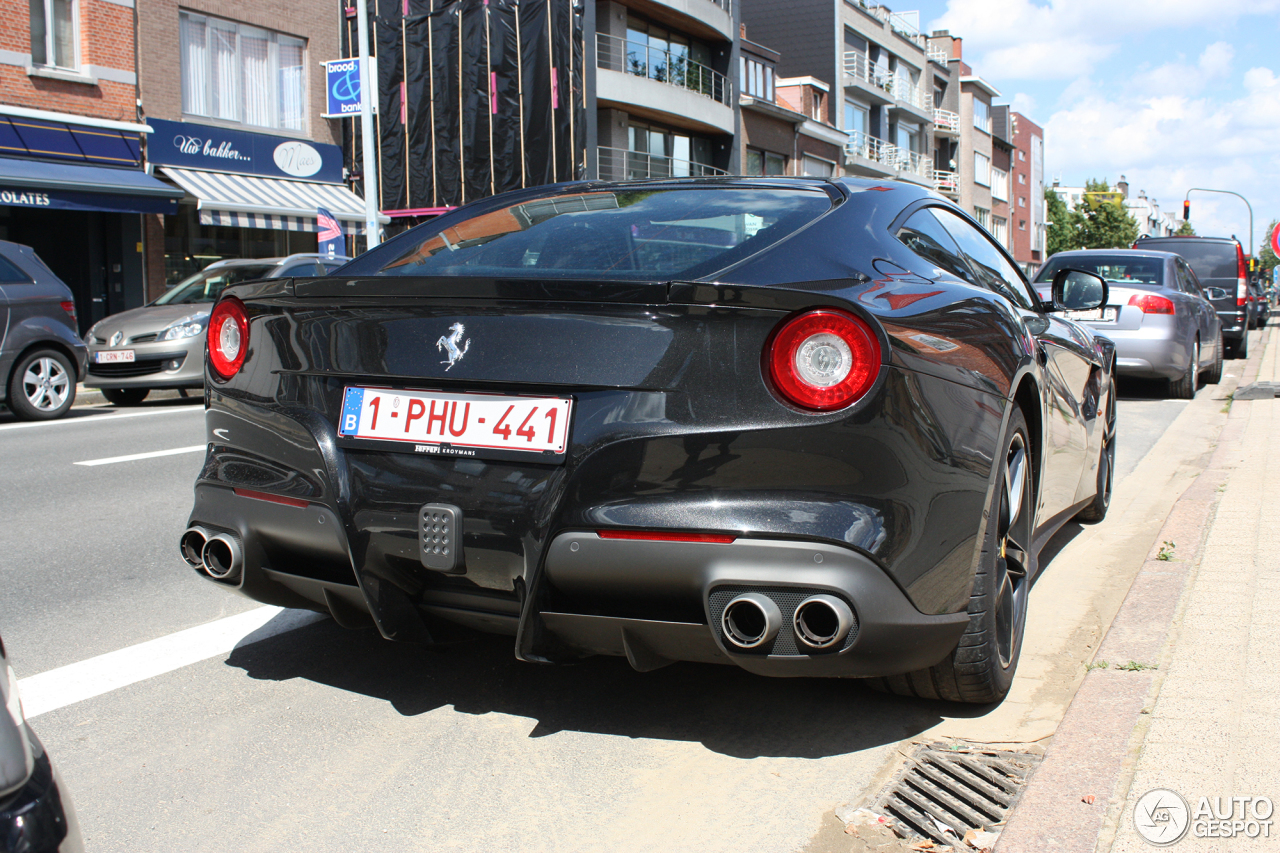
[(456, 424)]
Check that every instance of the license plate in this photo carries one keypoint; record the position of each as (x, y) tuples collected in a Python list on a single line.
[(1095, 315), (112, 356), (456, 424)]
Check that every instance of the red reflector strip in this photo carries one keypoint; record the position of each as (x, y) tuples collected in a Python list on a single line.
[(275, 499), (663, 536)]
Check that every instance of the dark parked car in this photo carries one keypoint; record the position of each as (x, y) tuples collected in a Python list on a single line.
[(36, 816), (41, 355), (161, 345), (810, 428), (1163, 326), (1219, 263)]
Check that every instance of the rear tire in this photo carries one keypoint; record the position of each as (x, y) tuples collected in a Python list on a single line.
[(1214, 375), (1097, 509), (1184, 388), (980, 669), (125, 396), (43, 386)]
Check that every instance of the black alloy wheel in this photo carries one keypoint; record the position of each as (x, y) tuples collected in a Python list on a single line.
[(125, 396), (1097, 509), (980, 669), (1184, 387)]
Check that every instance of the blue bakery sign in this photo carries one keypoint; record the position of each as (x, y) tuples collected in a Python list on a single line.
[(218, 149)]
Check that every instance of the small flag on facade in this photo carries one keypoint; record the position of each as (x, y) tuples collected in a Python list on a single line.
[(330, 236)]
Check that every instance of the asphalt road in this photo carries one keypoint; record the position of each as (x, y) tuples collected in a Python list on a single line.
[(318, 738)]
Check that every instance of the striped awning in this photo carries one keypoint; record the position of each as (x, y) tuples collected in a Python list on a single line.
[(250, 202)]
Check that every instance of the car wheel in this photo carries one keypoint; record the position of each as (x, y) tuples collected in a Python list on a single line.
[(1184, 387), (125, 396), (1214, 376), (43, 386), (1097, 509), (1241, 348), (980, 669)]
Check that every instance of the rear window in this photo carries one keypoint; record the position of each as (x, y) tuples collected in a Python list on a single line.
[(1209, 260), (616, 234), (1118, 269)]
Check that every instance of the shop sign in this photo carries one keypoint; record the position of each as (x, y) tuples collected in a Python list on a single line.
[(342, 87), (72, 200), (219, 149), (24, 198)]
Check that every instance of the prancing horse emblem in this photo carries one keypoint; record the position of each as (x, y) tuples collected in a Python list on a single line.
[(451, 344)]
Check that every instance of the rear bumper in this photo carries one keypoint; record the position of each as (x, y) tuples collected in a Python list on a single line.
[(1151, 352), (592, 595)]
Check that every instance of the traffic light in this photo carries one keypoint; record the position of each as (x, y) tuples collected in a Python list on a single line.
[(1186, 209)]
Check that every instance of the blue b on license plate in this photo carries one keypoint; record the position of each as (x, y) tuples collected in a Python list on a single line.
[(431, 419)]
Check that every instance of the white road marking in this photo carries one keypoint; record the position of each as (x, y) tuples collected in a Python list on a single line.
[(135, 456), (76, 682), (107, 418)]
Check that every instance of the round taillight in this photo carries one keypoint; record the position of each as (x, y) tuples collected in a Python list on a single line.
[(823, 360), (228, 337)]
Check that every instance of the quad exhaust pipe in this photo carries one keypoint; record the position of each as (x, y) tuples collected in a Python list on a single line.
[(216, 554), (822, 621), (751, 620)]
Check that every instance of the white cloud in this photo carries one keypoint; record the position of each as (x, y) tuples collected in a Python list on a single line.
[(1023, 103), (1168, 143), (1216, 59)]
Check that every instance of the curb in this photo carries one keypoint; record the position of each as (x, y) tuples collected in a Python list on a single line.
[(1094, 752)]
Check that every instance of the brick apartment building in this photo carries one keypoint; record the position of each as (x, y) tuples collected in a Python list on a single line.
[(71, 147), (1026, 186)]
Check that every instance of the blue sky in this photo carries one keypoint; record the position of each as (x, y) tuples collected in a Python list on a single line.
[(1172, 94)]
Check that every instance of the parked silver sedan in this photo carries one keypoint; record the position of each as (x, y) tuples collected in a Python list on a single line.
[(1163, 325), (161, 345)]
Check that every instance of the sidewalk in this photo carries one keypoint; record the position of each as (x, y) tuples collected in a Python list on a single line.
[(1194, 710)]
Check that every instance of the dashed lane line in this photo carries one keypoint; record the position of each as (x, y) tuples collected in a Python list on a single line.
[(100, 419), (67, 685), (133, 457)]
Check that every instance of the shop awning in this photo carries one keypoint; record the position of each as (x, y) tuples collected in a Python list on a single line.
[(250, 202), (65, 186)]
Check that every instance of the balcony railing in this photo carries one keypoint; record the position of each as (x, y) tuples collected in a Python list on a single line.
[(897, 86), (936, 53), (619, 164), (893, 158), (946, 120), (665, 66), (946, 182), (905, 24)]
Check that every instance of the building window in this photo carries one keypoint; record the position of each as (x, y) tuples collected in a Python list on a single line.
[(816, 110), (1000, 230), (656, 152), (1022, 225), (999, 184), (981, 115), (1022, 201), (1022, 179), (237, 73), (53, 33), (909, 136), (983, 216), (1021, 155), (757, 79), (857, 118), (760, 163), (981, 169), (670, 57)]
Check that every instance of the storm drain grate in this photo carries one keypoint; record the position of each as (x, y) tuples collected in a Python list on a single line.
[(1258, 391), (957, 788)]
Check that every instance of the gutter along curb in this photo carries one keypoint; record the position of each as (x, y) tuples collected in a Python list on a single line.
[(1098, 744)]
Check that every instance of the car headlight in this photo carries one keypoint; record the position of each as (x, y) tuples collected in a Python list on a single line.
[(91, 334), (187, 327)]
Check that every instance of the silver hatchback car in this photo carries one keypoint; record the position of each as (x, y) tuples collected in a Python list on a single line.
[(1162, 324), (161, 345)]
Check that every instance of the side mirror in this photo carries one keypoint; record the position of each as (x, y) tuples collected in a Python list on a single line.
[(1077, 290), (1212, 293)]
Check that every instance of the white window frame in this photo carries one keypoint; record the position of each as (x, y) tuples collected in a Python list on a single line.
[(981, 169), (983, 216), (274, 41), (1000, 230), (50, 47), (985, 124), (999, 184)]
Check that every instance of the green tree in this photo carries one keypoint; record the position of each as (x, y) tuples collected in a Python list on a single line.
[(1185, 229), (1063, 232), (1106, 224), (1267, 258)]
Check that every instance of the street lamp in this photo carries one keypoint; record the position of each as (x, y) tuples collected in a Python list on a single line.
[(1186, 208)]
